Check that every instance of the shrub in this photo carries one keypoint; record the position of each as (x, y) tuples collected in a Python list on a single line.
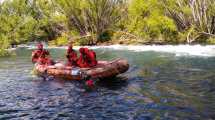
[(105, 36), (82, 41), (60, 41), (4, 52), (211, 41)]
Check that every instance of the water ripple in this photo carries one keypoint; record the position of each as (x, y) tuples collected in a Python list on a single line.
[(157, 86)]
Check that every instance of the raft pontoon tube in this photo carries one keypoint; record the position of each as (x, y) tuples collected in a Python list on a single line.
[(104, 69)]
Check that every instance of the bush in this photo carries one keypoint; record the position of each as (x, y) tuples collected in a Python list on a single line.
[(4, 44), (60, 41), (82, 41), (105, 36), (147, 20), (4, 53), (120, 37), (211, 41)]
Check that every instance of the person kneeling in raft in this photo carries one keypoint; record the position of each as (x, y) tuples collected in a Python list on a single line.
[(72, 57), (41, 56), (87, 58)]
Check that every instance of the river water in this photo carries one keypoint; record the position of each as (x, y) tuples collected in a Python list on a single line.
[(159, 85)]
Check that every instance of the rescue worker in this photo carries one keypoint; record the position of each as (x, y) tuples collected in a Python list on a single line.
[(87, 58), (82, 59), (91, 58), (41, 56), (72, 57)]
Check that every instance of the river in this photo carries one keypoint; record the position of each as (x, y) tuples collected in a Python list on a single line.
[(163, 83)]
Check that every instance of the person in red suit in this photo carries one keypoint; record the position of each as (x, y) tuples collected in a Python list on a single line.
[(92, 58), (41, 56), (87, 58), (72, 57)]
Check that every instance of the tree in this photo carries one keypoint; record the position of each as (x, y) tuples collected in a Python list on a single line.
[(148, 21), (16, 21), (92, 16), (197, 17), (51, 23)]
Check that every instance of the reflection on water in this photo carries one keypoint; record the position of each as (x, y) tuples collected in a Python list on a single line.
[(157, 86)]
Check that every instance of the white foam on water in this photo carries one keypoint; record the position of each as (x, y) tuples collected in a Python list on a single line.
[(178, 50)]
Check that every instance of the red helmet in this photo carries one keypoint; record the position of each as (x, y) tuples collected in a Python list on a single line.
[(69, 49), (82, 50), (40, 46), (86, 50)]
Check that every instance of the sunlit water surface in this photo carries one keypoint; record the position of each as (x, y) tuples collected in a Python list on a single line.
[(158, 85)]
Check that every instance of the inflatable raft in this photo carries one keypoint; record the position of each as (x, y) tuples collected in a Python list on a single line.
[(104, 69)]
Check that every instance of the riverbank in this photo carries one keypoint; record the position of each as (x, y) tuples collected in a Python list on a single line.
[(5, 52)]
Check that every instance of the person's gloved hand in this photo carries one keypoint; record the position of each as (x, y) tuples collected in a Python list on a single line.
[(90, 83)]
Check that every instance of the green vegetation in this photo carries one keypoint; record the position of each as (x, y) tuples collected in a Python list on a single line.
[(94, 22), (148, 21)]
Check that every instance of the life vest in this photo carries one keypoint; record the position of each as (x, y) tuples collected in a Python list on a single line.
[(87, 58), (36, 54), (82, 63), (71, 57), (92, 58), (45, 61)]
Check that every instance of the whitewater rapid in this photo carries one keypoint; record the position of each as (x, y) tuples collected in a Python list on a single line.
[(178, 50)]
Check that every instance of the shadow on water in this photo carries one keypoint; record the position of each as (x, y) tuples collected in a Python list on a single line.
[(114, 83)]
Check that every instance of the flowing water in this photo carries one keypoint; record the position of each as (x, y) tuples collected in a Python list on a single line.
[(159, 85)]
